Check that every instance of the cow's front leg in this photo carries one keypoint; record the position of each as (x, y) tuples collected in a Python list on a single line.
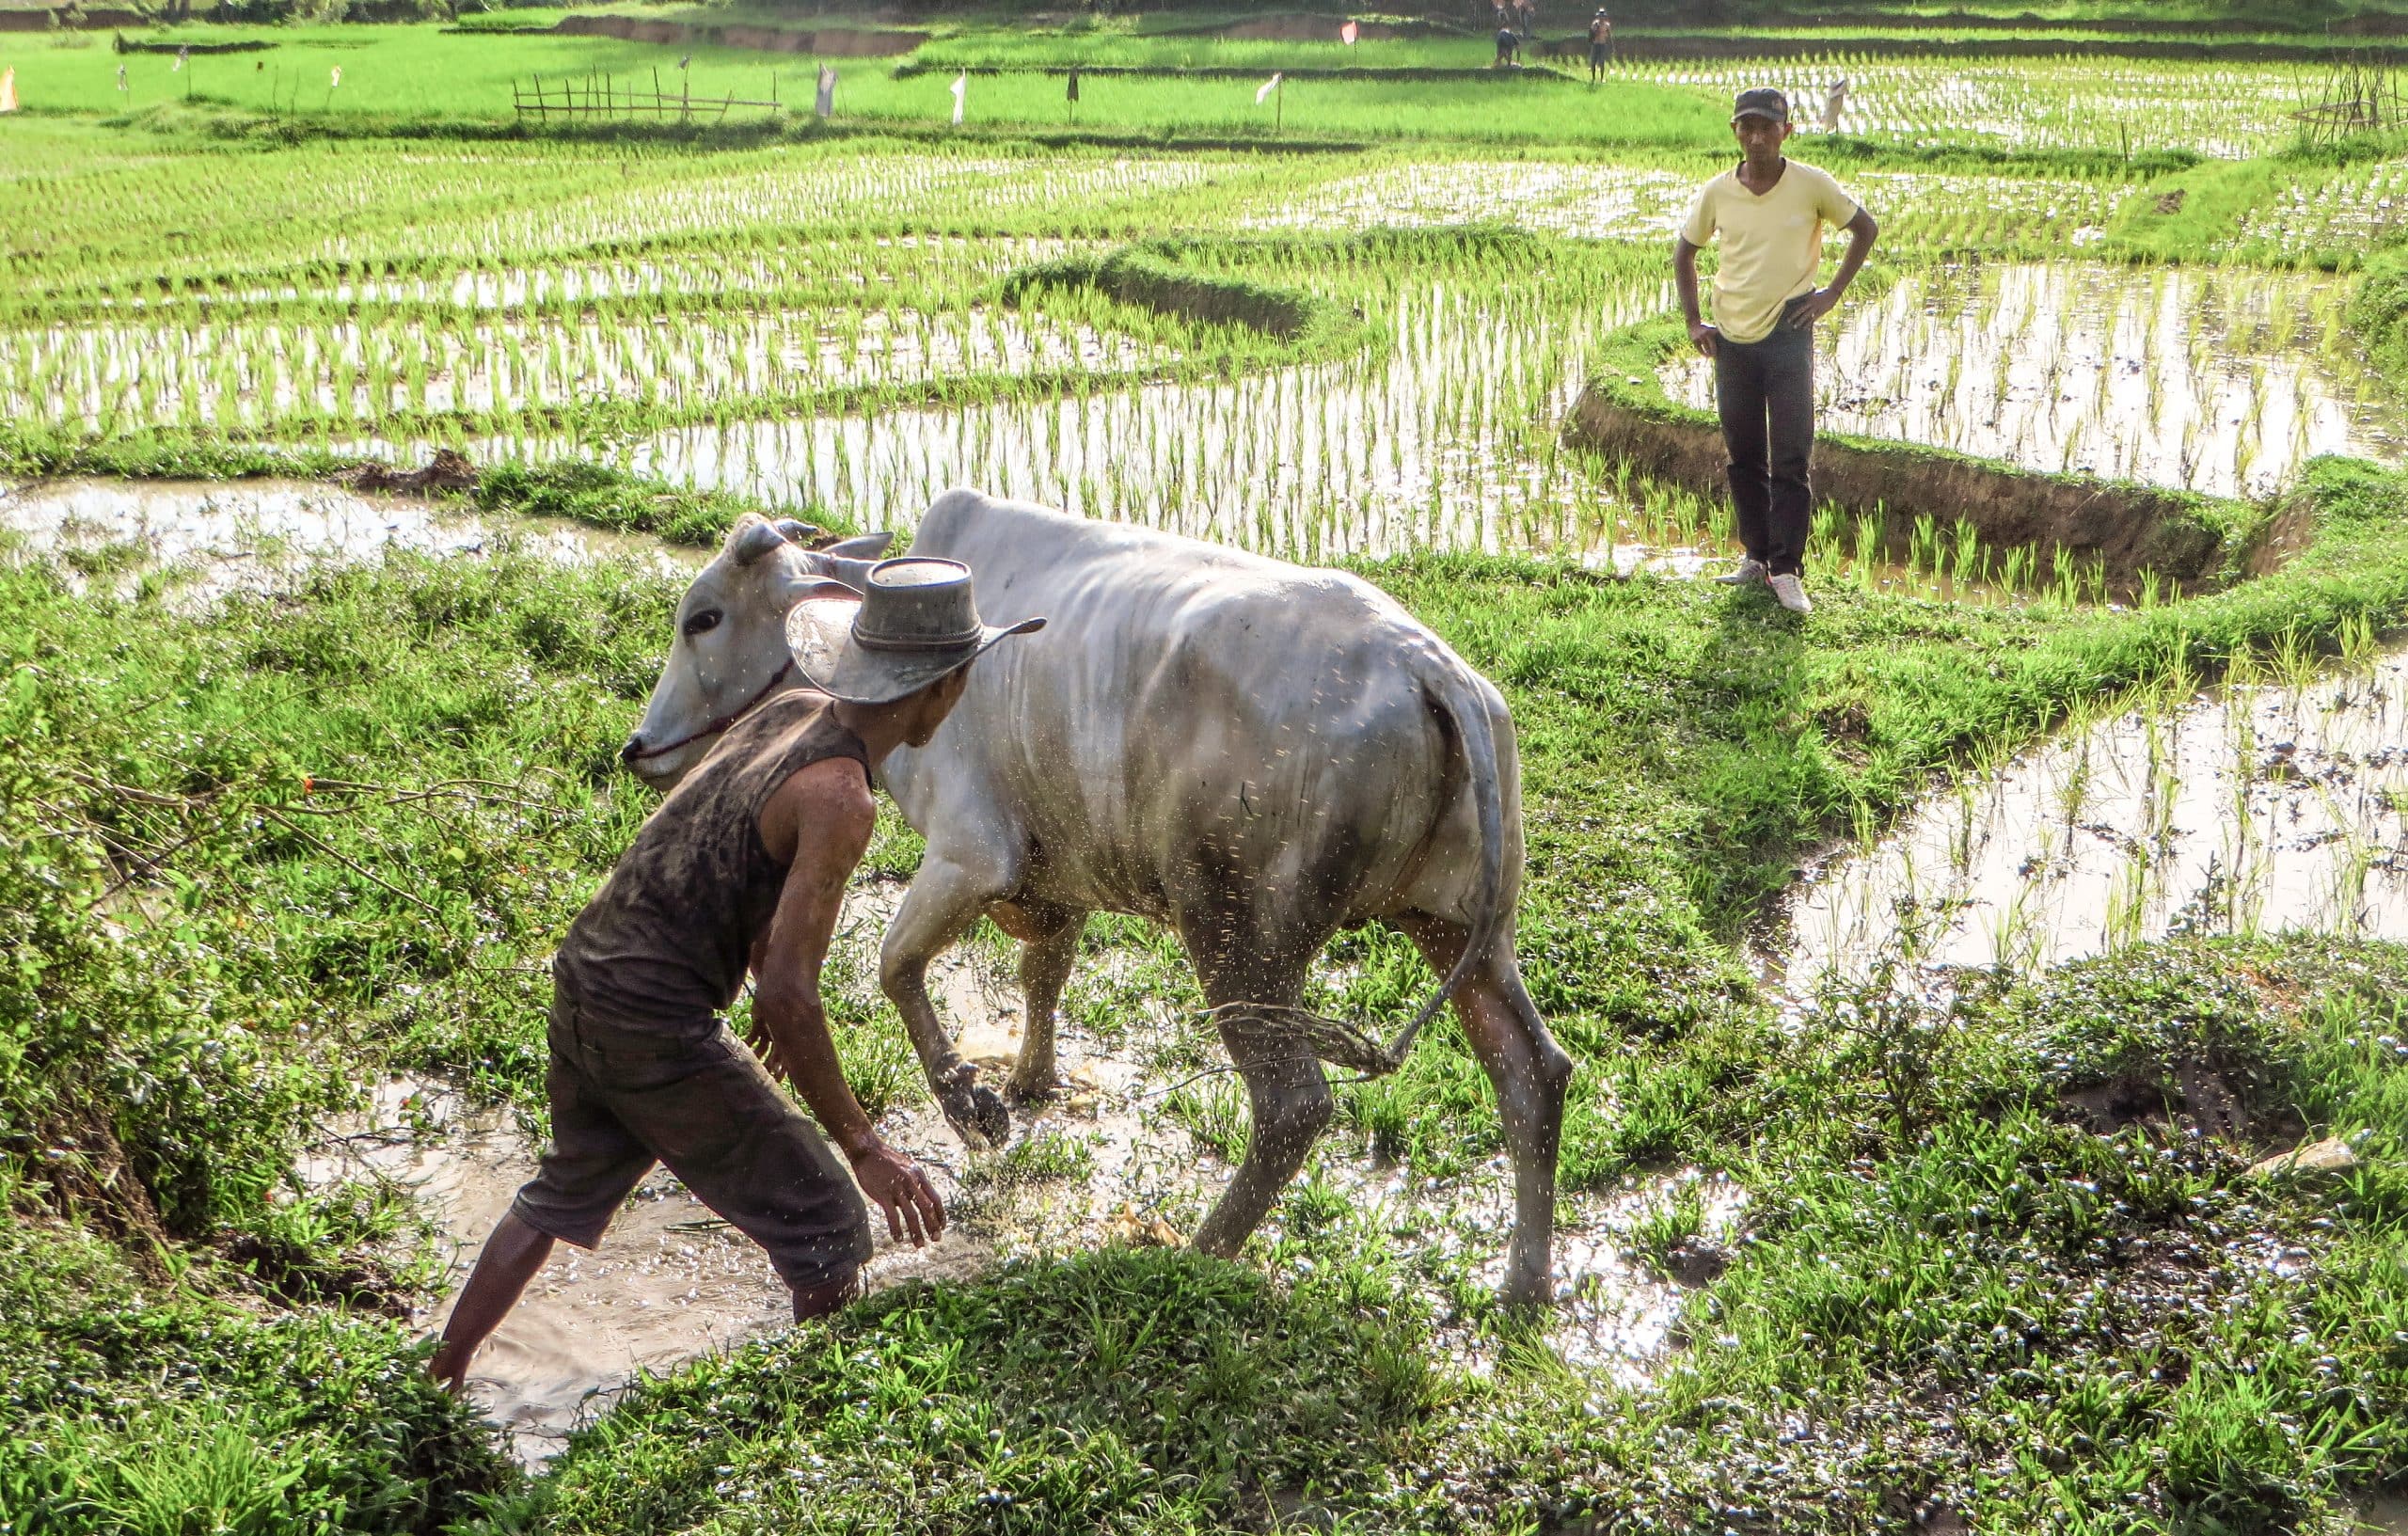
[(1049, 944), (945, 898)]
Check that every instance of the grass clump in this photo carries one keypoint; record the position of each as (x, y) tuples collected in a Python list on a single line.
[(1128, 1391)]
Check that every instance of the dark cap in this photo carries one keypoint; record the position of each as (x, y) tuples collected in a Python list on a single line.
[(1763, 101)]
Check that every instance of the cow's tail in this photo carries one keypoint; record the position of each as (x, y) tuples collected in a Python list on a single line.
[(1456, 693)]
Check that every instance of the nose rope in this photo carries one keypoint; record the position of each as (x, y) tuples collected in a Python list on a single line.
[(722, 724)]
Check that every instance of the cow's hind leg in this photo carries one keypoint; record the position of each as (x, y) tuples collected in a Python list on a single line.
[(1048, 944), (1530, 1074), (1285, 1087), (945, 898)]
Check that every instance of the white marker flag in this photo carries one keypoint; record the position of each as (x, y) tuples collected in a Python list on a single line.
[(338, 78), (960, 89), (1348, 32), (180, 55), (120, 77), (9, 89), (1268, 86), (827, 103)]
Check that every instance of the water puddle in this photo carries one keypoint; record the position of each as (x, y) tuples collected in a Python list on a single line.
[(2246, 809), (2222, 382), (215, 537), (1106, 1161), (2386, 1515)]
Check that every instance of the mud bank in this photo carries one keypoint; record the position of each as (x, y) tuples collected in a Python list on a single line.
[(820, 42), (2183, 538)]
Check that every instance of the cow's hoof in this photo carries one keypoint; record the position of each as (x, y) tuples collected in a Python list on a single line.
[(978, 1114), (1527, 1291), (1039, 1090)]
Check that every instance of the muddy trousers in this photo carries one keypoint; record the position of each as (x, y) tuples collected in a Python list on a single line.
[(1765, 393)]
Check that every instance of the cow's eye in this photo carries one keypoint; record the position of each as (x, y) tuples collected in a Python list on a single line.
[(702, 622)]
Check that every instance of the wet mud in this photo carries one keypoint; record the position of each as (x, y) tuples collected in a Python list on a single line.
[(2244, 809), (669, 1282)]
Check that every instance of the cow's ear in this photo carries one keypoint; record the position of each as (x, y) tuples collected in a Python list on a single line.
[(754, 540), (799, 532), (818, 587), (864, 546)]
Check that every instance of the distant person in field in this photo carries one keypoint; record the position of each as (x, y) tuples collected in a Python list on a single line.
[(1601, 42), (1508, 43), (1769, 212)]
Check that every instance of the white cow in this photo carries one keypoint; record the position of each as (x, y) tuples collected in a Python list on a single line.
[(1254, 753)]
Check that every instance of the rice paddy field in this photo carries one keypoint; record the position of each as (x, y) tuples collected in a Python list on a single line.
[(1991, 1097)]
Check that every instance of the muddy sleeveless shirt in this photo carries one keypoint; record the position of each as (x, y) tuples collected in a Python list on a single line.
[(671, 933)]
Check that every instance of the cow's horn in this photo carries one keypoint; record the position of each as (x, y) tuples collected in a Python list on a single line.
[(797, 531), (756, 541)]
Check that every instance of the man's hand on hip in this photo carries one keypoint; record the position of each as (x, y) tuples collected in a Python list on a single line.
[(1810, 308), (902, 1191), (1704, 336)]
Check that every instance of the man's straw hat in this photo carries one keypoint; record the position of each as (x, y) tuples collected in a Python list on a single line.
[(915, 622)]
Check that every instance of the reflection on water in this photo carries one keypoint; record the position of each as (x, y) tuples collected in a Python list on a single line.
[(2246, 809)]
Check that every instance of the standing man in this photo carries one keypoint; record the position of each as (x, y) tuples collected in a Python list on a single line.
[(1508, 43), (743, 865), (1769, 211), (1601, 42)]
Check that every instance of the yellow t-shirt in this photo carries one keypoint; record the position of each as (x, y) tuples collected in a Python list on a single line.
[(1772, 245)]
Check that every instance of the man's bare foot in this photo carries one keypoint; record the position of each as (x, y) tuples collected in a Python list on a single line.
[(820, 1300)]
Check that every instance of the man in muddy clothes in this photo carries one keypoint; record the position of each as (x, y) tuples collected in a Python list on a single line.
[(1769, 212), (743, 865)]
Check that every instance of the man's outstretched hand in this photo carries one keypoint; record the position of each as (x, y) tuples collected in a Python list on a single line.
[(902, 1191)]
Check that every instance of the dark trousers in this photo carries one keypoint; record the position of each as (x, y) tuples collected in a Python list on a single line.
[(1765, 392)]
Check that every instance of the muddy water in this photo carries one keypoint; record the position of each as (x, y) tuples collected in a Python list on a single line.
[(2215, 381), (2244, 809), (670, 1283), (213, 537)]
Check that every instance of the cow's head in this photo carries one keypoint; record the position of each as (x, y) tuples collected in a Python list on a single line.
[(729, 652)]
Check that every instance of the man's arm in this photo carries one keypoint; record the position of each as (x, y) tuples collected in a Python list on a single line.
[(1861, 231), (1702, 335), (823, 817)]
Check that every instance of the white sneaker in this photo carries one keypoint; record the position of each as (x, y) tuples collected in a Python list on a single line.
[(1750, 571), (1791, 593)]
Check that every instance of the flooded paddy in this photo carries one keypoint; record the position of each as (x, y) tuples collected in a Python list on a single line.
[(2256, 807), (2218, 382)]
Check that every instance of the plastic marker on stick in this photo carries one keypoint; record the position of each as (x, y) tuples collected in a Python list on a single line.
[(1264, 93), (827, 103), (9, 89), (960, 89), (1348, 32)]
